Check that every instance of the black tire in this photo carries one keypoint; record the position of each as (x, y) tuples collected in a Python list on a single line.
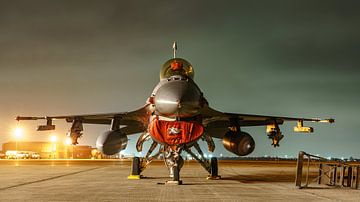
[(180, 162), (176, 176), (135, 166), (213, 167)]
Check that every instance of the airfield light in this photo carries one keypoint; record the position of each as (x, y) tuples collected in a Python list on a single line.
[(68, 141), (53, 138), (18, 132)]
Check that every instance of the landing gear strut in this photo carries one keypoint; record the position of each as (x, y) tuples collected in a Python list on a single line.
[(209, 165), (139, 164), (173, 159)]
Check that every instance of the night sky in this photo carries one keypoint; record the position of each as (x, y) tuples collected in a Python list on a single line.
[(280, 58)]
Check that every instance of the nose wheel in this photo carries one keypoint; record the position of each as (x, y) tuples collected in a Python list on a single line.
[(174, 162), (176, 174)]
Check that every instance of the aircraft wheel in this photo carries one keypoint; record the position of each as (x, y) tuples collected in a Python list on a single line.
[(176, 176), (180, 162), (136, 166), (214, 167)]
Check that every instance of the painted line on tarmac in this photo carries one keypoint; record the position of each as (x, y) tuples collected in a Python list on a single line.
[(47, 179)]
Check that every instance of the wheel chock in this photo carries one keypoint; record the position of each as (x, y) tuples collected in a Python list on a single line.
[(172, 182), (134, 177), (216, 177)]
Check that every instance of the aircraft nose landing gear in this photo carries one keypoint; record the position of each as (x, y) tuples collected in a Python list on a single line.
[(174, 162)]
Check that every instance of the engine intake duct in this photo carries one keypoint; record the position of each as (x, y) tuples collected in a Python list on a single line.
[(239, 143)]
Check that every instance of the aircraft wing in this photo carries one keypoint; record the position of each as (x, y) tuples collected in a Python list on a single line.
[(134, 121), (218, 123), (137, 116)]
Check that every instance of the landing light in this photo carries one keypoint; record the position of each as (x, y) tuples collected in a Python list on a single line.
[(167, 102)]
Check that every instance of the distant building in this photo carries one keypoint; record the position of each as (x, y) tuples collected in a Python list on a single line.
[(48, 150)]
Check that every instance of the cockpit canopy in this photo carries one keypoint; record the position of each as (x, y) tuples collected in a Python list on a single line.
[(176, 66)]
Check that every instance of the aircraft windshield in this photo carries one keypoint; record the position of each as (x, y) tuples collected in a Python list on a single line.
[(176, 66)]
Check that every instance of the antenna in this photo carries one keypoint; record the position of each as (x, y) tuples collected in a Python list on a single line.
[(174, 48)]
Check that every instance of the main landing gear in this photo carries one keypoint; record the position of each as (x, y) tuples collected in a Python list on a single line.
[(213, 169), (209, 165), (173, 159), (139, 164)]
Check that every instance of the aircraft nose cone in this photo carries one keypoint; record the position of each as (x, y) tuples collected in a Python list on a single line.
[(178, 98)]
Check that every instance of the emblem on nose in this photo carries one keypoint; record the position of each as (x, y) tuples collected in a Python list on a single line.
[(174, 131)]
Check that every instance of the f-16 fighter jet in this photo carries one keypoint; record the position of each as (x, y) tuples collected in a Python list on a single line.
[(174, 118)]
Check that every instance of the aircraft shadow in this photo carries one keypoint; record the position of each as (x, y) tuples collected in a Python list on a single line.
[(320, 188), (261, 178)]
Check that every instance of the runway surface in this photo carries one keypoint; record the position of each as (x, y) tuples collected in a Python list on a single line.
[(106, 180)]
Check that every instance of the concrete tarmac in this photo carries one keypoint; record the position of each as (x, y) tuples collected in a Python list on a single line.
[(106, 180)]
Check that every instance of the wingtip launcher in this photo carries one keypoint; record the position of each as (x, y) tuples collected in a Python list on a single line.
[(331, 120), (300, 128)]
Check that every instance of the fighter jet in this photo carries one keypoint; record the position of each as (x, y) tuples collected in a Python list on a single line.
[(174, 118)]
